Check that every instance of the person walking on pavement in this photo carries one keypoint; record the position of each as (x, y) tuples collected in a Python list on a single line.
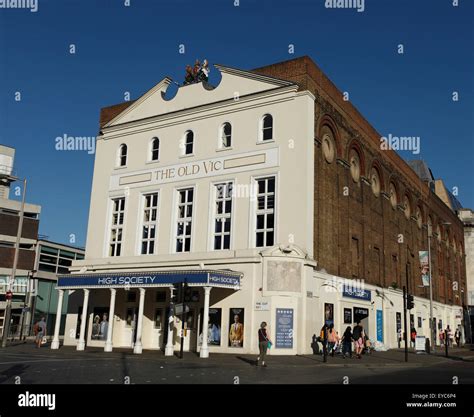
[(264, 343), (323, 338), (40, 331), (448, 336), (358, 336), (332, 339), (413, 336), (457, 337), (347, 343)]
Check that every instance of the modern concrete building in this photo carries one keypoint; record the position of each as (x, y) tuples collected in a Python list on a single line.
[(270, 196), (51, 259), (9, 222)]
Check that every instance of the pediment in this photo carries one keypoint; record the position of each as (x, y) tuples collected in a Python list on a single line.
[(234, 82), (290, 251)]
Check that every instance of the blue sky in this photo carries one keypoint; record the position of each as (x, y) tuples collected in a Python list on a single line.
[(120, 49)]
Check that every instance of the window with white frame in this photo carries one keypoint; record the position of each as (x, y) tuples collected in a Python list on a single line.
[(150, 223), (184, 220), (222, 215), (226, 135), (116, 232), (266, 128), (265, 212), (188, 143), (155, 149), (122, 156)]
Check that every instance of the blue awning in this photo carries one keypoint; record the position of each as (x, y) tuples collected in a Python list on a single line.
[(212, 278)]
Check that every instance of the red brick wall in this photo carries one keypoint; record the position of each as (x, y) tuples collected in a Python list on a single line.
[(371, 220)]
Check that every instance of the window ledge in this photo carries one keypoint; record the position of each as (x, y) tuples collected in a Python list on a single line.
[(190, 155), (121, 167), (261, 142), (152, 162), (224, 149)]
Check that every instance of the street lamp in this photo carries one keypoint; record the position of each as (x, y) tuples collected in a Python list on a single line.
[(8, 307)]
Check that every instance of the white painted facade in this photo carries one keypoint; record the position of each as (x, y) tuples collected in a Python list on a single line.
[(282, 275)]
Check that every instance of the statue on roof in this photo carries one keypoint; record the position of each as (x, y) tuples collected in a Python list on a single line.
[(198, 73)]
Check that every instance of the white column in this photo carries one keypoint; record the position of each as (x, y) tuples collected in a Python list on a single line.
[(108, 343), (204, 352), (57, 324), (81, 344), (169, 349), (137, 348)]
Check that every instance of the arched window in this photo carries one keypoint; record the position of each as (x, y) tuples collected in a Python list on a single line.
[(188, 145), (393, 194), (375, 181), (267, 127), (419, 217), (122, 156), (407, 206), (327, 144), (155, 149), (226, 135), (354, 161)]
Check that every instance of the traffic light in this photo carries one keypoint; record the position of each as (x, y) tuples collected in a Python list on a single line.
[(410, 302)]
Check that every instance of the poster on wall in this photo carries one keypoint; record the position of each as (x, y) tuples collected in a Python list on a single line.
[(347, 316), (214, 326), (284, 328), (424, 267), (328, 314), (379, 326), (236, 328), (100, 323)]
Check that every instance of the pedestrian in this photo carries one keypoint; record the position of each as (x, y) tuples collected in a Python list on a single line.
[(448, 336), (358, 335), (40, 332), (413, 336), (399, 334), (332, 339), (347, 342), (264, 343), (457, 337), (323, 338)]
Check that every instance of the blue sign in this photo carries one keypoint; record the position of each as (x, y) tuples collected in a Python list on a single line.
[(161, 278), (220, 279), (358, 293), (379, 326), (284, 328)]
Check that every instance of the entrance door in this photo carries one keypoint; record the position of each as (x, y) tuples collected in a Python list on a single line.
[(130, 333), (362, 315)]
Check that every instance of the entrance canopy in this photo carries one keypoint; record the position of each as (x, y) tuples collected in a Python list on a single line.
[(202, 278)]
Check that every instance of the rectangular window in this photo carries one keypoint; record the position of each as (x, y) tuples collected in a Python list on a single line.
[(265, 212), (223, 215), (355, 257), (118, 214), (377, 265), (396, 276), (184, 220), (150, 224)]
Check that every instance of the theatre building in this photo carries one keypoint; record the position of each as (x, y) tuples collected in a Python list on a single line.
[(266, 194)]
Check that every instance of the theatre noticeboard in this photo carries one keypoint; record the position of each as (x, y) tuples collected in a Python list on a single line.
[(284, 328)]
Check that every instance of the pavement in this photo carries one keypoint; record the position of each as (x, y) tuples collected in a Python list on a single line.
[(25, 364)]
